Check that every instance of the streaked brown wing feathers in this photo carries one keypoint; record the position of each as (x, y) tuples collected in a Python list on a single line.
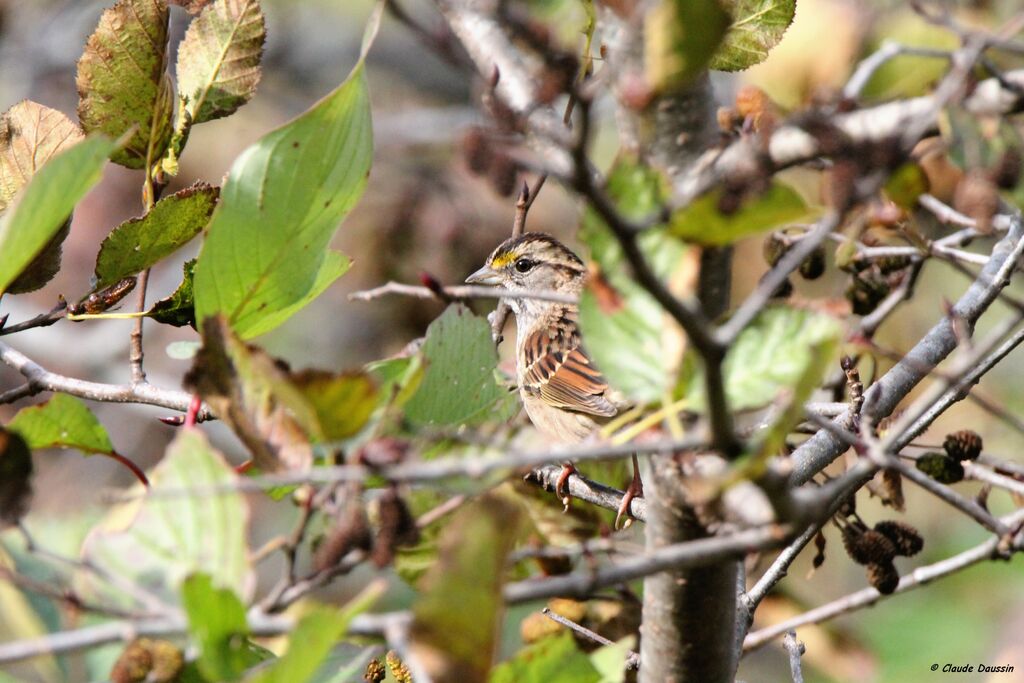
[(560, 372)]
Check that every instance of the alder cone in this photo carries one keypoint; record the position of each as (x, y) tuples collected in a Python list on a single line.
[(868, 547), (905, 538), (941, 467), (813, 266), (963, 445), (884, 577)]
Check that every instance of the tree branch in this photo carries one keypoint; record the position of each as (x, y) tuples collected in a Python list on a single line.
[(40, 379), (702, 552), (883, 396), (865, 598)]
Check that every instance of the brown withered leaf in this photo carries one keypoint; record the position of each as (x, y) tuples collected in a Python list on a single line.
[(351, 530), (252, 393), (43, 267), (397, 528), (30, 135), (15, 477), (978, 197), (123, 82)]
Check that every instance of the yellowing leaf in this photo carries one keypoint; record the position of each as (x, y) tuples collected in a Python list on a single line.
[(219, 59), (122, 80), (343, 403)]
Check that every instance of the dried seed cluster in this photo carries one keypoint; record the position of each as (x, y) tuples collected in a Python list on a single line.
[(877, 548), (776, 245), (963, 445), (941, 467)]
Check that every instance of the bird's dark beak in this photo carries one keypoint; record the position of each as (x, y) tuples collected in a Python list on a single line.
[(485, 276)]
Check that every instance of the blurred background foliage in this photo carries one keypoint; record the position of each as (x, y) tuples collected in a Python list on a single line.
[(425, 211)]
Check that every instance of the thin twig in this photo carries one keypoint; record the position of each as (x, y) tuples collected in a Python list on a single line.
[(796, 650), (135, 350), (701, 552), (58, 312), (461, 292), (948, 495), (879, 58), (632, 659), (440, 469), (259, 624)]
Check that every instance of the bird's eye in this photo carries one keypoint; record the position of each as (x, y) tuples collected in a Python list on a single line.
[(524, 265)]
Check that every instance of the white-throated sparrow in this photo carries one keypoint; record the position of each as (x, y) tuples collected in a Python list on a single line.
[(565, 396)]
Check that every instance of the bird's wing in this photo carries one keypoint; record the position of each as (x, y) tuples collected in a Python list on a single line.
[(560, 373)]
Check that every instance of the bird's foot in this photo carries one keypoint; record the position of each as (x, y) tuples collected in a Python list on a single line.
[(634, 490), (562, 484)]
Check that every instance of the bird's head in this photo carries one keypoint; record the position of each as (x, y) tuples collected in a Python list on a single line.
[(532, 261)]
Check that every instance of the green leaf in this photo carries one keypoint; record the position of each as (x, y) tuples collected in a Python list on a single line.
[(757, 27), (907, 75), (458, 383), (458, 643), (343, 403), (771, 355), (219, 59), (179, 308), (138, 243), (62, 422), (247, 389), (625, 330), (334, 265), (906, 184), (266, 252), (122, 81), (610, 660), (680, 37), (556, 659), (704, 223), (159, 539), (217, 624), (46, 202), (317, 632)]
